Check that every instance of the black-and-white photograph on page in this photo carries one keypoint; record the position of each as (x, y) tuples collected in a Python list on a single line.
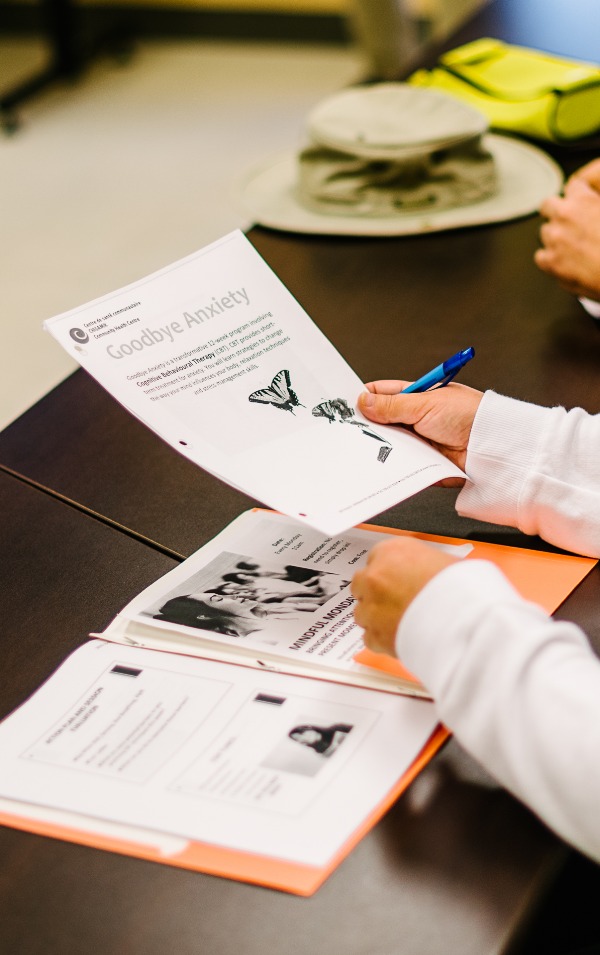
[(307, 746), (235, 595)]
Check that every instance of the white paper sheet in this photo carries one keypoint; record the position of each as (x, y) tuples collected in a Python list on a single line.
[(218, 358), (267, 589), (258, 762)]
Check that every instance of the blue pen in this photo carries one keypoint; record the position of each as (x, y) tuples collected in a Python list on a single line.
[(442, 374)]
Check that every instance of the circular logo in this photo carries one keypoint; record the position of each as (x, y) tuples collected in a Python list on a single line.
[(78, 335)]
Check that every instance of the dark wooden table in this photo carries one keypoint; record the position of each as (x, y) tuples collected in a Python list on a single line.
[(446, 870), (456, 865), (394, 307), (95, 507)]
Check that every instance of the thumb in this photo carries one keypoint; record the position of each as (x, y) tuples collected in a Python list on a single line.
[(590, 173), (391, 409), (579, 186)]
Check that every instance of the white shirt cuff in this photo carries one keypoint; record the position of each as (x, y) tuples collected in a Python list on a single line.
[(593, 308), (502, 451)]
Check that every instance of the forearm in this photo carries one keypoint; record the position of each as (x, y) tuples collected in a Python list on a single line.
[(537, 469), (520, 691)]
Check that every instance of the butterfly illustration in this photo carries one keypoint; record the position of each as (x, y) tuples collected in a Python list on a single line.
[(338, 410), (335, 409), (279, 393)]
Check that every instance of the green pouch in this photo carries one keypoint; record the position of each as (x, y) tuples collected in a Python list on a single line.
[(521, 90)]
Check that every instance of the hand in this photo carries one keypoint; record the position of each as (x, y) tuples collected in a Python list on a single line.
[(571, 236), (590, 173), (395, 572), (443, 416)]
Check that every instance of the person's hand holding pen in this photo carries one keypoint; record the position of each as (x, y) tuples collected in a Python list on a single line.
[(398, 569), (442, 415)]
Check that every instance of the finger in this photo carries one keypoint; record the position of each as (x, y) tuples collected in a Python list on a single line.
[(546, 259), (360, 617), (588, 168), (357, 584), (392, 408), (388, 386), (551, 207), (374, 641), (450, 482), (578, 186), (590, 173), (548, 233), (363, 620), (542, 259)]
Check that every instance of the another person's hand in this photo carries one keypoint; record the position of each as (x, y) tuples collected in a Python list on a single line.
[(590, 173), (443, 416), (395, 572), (571, 235)]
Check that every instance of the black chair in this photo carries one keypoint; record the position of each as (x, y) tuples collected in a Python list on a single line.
[(68, 56)]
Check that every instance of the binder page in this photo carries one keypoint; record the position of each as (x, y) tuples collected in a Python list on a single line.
[(266, 587), (261, 763), (218, 358)]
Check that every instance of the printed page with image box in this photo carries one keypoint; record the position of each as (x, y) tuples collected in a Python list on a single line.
[(254, 776), (271, 593), (217, 357), (244, 771)]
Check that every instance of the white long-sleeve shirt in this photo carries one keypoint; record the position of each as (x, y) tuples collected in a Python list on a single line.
[(519, 690)]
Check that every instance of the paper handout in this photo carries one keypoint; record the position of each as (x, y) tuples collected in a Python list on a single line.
[(255, 776), (217, 357), (266, 592), (260, 746), (271, 593)]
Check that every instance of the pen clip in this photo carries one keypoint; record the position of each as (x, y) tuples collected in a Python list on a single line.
[(445, 381)]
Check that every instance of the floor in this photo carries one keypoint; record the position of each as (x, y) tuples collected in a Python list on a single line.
[(131, 168)]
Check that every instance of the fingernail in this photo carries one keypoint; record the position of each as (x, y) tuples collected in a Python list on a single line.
[(367, 400)]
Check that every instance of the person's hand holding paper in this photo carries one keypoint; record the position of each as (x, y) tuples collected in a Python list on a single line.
[(218, 358), (443, 417)]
